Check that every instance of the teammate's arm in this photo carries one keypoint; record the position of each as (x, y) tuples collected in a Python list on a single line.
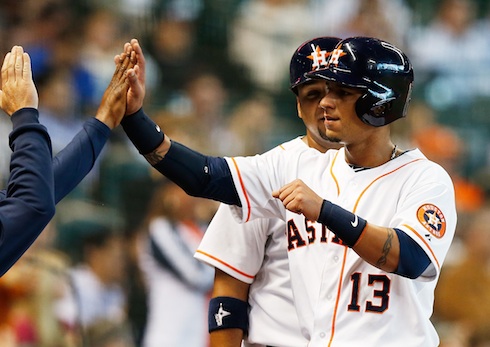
[(37, 181), (76, 160), (28, 203), (228, 286)]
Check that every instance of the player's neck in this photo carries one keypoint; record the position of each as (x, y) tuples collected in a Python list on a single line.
[(369, 157)]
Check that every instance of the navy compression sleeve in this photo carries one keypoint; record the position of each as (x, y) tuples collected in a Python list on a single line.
[(413, 260), (199, 175), (28, 203), (76, 160)]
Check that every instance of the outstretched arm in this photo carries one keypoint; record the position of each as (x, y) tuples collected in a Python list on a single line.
[(75, 161), (28, 203), (197, 174)]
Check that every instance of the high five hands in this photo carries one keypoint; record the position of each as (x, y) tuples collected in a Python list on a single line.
[(113, 105), (136, 76)]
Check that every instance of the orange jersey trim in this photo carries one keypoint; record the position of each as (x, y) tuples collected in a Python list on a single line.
[(334, 318), (242, 185), (225, 264), (425, 242), (384, 175), (333, 175), (339, 290)]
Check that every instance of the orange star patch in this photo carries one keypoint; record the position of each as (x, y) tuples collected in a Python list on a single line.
[(336, 55), (319, 57)]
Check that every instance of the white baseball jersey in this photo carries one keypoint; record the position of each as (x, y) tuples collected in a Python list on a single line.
[(341, 300), (256, 253)]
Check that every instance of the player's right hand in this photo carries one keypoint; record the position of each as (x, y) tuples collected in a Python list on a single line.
[(18, 89), (136, 76), (297, 197)]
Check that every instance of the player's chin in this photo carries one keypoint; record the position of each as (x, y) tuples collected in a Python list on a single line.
[(321, 136), (332, 136)]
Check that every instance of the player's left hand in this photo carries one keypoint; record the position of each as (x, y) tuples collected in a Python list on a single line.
[(299, 198), (113, 105)]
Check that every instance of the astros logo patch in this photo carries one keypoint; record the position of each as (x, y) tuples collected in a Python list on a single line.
[(431, 217)]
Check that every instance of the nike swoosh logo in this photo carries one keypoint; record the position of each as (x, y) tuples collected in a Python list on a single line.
[(355, 222)]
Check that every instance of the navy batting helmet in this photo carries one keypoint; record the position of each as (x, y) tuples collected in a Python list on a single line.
[(378, 67), (311, 55)]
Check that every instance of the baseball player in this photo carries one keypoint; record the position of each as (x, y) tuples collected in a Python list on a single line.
[(37, 181), (254, 255), (368, 225)]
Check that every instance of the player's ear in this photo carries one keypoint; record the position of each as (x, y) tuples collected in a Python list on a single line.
[(298, 108)]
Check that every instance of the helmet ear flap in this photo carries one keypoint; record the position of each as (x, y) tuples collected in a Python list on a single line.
[(373, 111)]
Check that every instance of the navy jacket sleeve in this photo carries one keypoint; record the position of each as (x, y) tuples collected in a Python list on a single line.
[(76, 160), (27, 205)]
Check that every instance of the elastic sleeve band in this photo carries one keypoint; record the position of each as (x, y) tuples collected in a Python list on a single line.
[(24, 116), (26, 119), (226, 312), (143, 132), (346, 225)]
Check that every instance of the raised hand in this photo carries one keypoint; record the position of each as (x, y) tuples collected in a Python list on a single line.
[(136, 75), (18, 89), (113, 105)]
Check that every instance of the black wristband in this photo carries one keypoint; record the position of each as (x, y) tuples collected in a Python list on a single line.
[(346, 225), (227, 313), (143, 132)]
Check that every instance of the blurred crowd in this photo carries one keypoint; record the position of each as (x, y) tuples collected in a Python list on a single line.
[(115, 266)]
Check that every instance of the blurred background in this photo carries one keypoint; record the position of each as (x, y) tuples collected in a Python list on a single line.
[(218, 81)]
